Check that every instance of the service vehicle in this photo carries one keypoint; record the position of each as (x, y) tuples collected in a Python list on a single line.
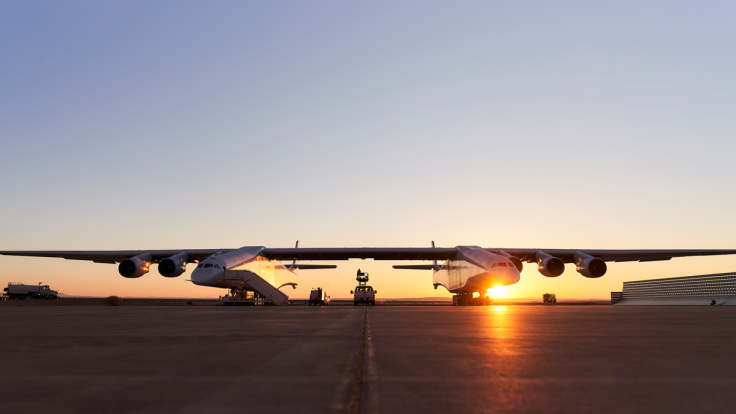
[(549, 298), (318, 297), (21, 291), (363, 293)]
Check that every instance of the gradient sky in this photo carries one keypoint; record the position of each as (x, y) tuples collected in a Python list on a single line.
[(567, 124)]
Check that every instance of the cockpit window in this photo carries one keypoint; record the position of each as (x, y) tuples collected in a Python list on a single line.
[(217, 266), (494, 265), (502, 264), (201, 265), (208, 265)]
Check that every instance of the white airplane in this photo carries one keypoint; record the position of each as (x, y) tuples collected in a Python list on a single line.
[(466, 269)]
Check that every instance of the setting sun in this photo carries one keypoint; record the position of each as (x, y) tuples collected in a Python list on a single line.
[(497, 292)]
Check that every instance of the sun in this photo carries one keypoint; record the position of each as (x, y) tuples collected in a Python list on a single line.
[(498, 292)]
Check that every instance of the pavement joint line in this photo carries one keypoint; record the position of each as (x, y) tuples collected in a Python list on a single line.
[(355, 407), (340, 401), (372, 377)]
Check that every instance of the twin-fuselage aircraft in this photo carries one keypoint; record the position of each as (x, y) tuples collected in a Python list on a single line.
[(465, 270)]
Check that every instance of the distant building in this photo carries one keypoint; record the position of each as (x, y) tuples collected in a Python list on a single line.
[(690, 290)]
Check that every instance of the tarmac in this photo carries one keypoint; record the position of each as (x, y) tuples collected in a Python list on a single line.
[(382, 359)]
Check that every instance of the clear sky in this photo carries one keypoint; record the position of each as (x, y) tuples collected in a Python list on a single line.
[(566, 124)]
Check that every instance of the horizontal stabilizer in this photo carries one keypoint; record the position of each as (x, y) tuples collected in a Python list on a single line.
[(314, 266), (416, 267)]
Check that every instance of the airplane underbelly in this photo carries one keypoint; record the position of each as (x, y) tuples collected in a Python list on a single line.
[(475, 283), (460, 277)]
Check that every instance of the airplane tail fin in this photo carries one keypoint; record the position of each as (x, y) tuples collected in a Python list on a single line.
[(293, 262)]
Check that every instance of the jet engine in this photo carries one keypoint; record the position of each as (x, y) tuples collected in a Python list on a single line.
[(590, 266), (136, 266), (549, 266), (173, 266)]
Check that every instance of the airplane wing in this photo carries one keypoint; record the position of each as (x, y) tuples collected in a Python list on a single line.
[(115, 256), (339, 253), (429, 253), (529, 255), (376, 253)]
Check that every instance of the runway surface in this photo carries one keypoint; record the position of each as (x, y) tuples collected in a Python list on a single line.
[(300, 359)]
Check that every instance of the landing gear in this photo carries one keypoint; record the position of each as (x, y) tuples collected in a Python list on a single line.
[(238, 296), (467, 299), (483, 299), (462, 299)]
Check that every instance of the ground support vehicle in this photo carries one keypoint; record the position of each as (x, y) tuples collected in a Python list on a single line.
[(363, 293), (549, 298), (318, 297), (21, 291)]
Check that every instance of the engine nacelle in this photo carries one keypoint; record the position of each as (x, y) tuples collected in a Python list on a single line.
[(590, 266), (136, 266), (549, 266), (173, 266)]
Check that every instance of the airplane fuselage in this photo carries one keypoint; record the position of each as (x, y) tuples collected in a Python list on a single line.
[(212, 271), (476, 270)]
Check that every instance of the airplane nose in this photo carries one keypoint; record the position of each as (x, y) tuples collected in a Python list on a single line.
[(205, 276), (514, 275), (197, 277)]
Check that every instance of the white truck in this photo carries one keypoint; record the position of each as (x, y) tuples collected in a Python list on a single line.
[(318, 297), (363, 293), (21, 291)]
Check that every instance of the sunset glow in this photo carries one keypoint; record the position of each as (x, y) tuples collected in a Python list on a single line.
[(497, 292)]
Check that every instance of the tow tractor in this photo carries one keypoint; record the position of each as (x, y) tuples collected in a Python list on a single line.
[(363, 294)]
